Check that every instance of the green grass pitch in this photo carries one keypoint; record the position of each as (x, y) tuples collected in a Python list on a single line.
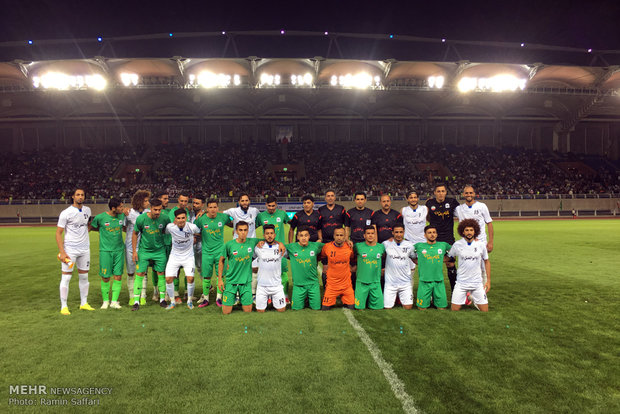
[(550, 342)]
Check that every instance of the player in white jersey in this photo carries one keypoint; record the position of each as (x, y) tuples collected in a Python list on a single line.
[(243, 213), (181, 255), (269, 280), (472, 255), (140, 204), (414, 219), (74, 250), (398, 265)]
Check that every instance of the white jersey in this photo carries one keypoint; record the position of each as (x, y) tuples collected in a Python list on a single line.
[(398, 264), (182, 240), (414, 221), (131, 222), (75, 222), (192, 218), (269, 261), (477, 211), (471, 257), (249, 217)]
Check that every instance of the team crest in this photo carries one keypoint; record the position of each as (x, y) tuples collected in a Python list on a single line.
[(85, 215), (295, 254), (206, 226), (278, 219), (219, 224), (433, 208), (249, 250), (447, 205), (107, 224), (265, 222), (368, 222), (364, 255), (235, 252), (147, 226), (312, 253), (439, 251), (161, 226), (424, 251), (378, 255)]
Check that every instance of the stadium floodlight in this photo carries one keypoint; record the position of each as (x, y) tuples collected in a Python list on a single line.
[(237, 80), (208, 79), (435, 82), (334, 80), (63, 82), (498, 83), (360, 80), (96, 82), (129, 79), (192, 79), (467, 84)]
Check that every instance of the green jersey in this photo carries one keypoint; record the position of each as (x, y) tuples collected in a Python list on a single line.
[(430, 260), (173, 210), (110, 231), (369, 260), (239, 257), (152, 232), (303, 262), (212, 233), (278, 218), (167, 237)]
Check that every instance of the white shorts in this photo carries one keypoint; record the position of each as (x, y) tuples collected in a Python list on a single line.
[(484, 274), (276, 293), (478, 295), (130, 264), (80, 259), (175, 264), (405, 294)]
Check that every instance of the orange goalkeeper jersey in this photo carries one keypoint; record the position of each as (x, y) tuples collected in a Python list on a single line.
[(338, 264)]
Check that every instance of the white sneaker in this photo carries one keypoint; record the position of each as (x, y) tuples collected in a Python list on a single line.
[(115, 305), (202, 299), (105, 304)]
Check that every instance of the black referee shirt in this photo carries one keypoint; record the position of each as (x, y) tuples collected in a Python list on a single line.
[(312, 222), (357, 220), (385, 223), (330, 220)]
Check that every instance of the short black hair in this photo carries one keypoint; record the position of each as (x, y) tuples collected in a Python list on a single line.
[(441, 185), (114, 202), (269, 227), (241, 223), (360, 193), (398, 225), (366, 228), (160, 194), (307, 197), (302, 228), (270, 199), (241, 196), (211, 201), (155, 202), (412, 192), (201, 198), (179, 211), (430, 226)]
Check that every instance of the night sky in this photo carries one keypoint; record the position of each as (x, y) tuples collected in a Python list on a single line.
[(585, 24)]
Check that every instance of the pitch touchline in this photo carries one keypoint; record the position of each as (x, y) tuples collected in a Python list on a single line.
[(398, 387)]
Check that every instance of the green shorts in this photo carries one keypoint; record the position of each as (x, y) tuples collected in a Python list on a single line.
[(300, 293), (230, 293), (368, 291), (284, 274), (208, 264), (156, 259), (111, 263), (438, 292)]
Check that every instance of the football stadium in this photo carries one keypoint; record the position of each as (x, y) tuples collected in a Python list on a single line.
[(225, 232)]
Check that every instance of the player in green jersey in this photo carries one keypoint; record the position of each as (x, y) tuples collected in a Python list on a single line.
[(370, 259), (304, 256), (211, 227), (430, 259), (110, 224), (151, 226), (278, 218), (183, 201)]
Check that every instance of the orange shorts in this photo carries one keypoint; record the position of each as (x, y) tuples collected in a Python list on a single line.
[(332, 292)]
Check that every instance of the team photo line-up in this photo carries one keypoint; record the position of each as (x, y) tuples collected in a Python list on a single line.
[(366, 258)]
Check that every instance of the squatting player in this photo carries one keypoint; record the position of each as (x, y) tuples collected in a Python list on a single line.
[(75, 247), (339, 257), (430, 258), (399, 255), (370, 256), (304, 256)]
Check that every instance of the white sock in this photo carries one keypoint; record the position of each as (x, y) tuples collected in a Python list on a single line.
[(144, 284), (190, 292), (218, 296), (83, 284), (64, 289), (170, 291), (254, 282), (130, 280)]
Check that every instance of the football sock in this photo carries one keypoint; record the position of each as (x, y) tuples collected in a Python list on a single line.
[(144, 286), (116, 289), (254, 282), (206, 284), (130, 279), (83, 285), (190, 292), (105, 290), (324, 278), (161, 286), (170, 291), (452, 277), (155, 278), (176, 287), (137, 288), (64, 289)]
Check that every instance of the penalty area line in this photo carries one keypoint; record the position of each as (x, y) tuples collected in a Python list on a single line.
[(398, 387)]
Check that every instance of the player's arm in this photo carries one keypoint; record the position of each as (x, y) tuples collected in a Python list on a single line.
[(220, 272), (487, 267), (490, 237), (134, 242), (59, 242), (291, 234)]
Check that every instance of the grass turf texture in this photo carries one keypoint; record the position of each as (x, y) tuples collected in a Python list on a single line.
[(549, 343)]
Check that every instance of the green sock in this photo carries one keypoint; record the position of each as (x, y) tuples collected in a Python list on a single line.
[(176, 284), (161, 286), (206, 285), (116, 289), (105, 291), (155, 278), (185, 282), (137, 288)]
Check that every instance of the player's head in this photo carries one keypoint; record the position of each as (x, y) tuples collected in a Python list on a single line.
[(370, 234), (115, 205), (140, 200), (430, 232), (360, 199), (308, 203), (198, 203), (469, 194), (339, 235), (183, 200), (244, 201), (180, 217), (269, 231), (242, 228), (330, 197), (212, 207), (303, 235), (271, 203), (386, 202), (412, 198), (398, 232), (163, 196), (78, 196), (156, 206), (440, 192), (468, 229)]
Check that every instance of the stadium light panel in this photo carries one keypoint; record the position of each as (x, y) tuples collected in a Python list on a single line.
[(237, 80), (208, 79), (63, 82), (129, 79), (498, 83), (435, 82)]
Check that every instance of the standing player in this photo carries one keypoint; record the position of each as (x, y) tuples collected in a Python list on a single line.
[(430, 258), (211, 227), (357, 219), (269, 261), (304, 256), (139, 204), (370, 256), (399, 255), (332, 216), (110, 225), (339, 256), (198, 204), (441, 217), (385, 219), (181, 255), (277, 218), (182, 202), (472, 255), (246, 213), (478, 211), (414, 219), (74, 248), (152, 250), (309, 218)]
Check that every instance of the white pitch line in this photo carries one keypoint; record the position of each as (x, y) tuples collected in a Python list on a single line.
[(398, 387)]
